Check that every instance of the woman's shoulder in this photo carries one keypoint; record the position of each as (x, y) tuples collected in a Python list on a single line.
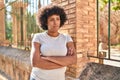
[(39, 34), (38, 37), (65, 35)]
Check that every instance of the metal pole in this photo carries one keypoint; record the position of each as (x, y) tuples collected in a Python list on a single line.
[(109, 9), (97, 28)]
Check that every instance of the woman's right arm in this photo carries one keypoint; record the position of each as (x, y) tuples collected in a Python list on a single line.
[(37, 61)]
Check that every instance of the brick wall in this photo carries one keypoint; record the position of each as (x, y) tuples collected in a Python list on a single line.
[(2, 22), (81, 26), (15, 63), (85, 31)]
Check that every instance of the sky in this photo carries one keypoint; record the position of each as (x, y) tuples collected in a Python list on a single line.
[(32, 7)]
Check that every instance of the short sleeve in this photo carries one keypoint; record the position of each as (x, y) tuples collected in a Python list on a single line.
[(36, 38), (69, 39)]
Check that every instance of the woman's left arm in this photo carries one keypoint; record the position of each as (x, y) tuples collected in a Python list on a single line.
[(71, 58)]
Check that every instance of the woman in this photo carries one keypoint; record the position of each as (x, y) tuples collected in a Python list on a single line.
[(51, 51)]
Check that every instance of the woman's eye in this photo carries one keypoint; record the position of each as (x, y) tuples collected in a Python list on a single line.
[(51, 19), (58, 18)]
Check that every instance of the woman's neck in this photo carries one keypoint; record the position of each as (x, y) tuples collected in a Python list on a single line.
[(53, 34)]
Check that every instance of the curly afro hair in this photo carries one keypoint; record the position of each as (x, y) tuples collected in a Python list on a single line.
[(48, 11)]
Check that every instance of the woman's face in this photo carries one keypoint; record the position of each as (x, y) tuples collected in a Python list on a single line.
[(53, 23)]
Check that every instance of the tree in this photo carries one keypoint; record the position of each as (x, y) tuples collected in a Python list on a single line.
[(115, 4)]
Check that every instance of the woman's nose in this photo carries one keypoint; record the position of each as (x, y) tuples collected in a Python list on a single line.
[(55, 21)]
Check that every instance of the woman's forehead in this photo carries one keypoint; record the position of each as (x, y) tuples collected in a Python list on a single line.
[(54, 15)]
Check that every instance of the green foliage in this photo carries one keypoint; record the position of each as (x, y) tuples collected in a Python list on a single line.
[(115, 4), (29, 19), (31, 24), (102, 4), (9, 30)]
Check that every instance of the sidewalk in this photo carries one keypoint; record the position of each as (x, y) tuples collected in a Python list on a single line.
[(3, 76), (115, 54)]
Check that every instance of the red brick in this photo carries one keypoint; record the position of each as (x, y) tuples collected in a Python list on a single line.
[(72, 10), (72, 31), (92, 1), (92, 13), (88, 17), (72, 20), (66, 27), (73, 70), (66, 23), (71, 16), (72, 1), (70, 6), (64, 31), (67, 12), (64, 3), (93, 5), (64, 0), (79, 55)]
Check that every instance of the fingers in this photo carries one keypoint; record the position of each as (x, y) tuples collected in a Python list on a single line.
[(70, 51)]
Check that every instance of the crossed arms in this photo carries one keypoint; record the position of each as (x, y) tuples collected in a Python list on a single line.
[(52, 62)]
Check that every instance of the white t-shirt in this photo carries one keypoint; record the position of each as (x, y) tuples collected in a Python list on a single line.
[(51, 46)]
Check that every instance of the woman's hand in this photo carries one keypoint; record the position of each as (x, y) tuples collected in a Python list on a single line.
[(70, 51)]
